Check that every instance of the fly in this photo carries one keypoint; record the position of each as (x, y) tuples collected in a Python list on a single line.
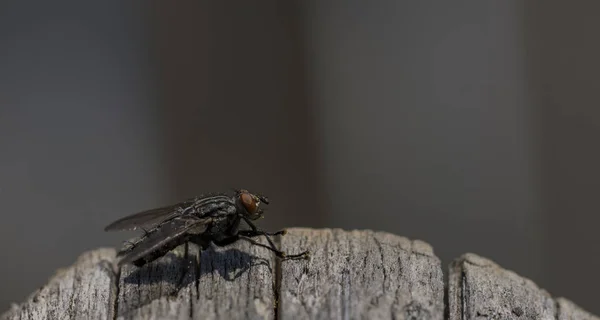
[(201, 220)]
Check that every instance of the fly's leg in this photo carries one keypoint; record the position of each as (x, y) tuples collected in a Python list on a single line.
[(277, 233), (226, 241), (247, 234), (197, 240), (257, 232), (272, 247)]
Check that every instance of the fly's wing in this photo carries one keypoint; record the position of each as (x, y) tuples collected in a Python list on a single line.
[(164, 238), (149, 218)]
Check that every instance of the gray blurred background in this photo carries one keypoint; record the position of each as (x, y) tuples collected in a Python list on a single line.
[(472, 125)]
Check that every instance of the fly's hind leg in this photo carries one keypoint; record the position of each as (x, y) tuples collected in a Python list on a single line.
[(199, 241), (256, 233), (246, 236)]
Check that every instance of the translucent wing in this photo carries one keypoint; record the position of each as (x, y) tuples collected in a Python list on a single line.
[(163, 239), (149, 218)]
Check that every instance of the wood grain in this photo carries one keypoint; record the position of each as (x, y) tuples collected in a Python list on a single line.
[(85, 290), (235, 282), (350, 275), (360, 275), (478, 288)]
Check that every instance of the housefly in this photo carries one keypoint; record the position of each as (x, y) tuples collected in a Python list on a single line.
[(201, 220)]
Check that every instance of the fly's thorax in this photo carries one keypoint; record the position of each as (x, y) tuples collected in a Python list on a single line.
[(211, 205)]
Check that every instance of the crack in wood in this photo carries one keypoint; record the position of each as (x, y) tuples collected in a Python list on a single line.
[(277, 282), (115, 288)]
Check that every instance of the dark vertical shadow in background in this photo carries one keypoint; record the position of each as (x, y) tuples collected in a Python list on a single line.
[(234, 104), (562, 52)]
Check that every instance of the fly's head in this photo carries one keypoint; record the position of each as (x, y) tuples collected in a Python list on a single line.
[(251, 203)]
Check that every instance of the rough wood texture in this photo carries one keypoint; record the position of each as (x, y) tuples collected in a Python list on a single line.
[(235, 282), (350, 275), (84, 291), (567, 310), (480, 289), (360, 275)]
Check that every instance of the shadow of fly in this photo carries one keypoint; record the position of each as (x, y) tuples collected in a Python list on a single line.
[(201, 220)]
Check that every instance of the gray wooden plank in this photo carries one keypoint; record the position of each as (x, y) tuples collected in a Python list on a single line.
[(236, 282), (163, 289), (567, 310), (350, 275), (85, 290), (480, 289), (233, 282), (359, 275)]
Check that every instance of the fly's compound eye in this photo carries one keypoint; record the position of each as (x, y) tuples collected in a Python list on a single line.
[(250, 202)]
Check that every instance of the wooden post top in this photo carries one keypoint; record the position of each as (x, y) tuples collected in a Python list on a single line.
[(358, 274)]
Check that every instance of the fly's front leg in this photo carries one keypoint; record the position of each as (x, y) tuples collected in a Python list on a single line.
[(248, 234), (257, 231)]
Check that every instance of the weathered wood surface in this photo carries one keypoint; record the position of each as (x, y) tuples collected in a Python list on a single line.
[(350, 275), (360, 274), (234, 283), (85, 290), (480, 289)]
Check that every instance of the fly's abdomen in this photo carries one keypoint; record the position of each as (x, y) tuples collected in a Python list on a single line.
[(162, 239), (158, 253)]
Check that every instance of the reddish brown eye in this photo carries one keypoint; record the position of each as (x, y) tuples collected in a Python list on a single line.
[(249, 202)]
